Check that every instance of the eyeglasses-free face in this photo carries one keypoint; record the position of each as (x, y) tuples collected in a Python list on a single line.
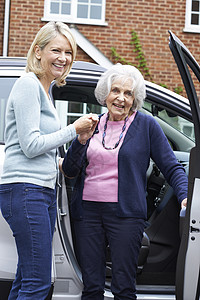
[(120, 99), (54, 58)]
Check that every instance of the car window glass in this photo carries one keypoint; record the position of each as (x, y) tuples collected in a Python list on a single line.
[(182, 125), (6, 84)]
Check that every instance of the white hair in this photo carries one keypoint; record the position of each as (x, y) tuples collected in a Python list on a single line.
[(124, 72)]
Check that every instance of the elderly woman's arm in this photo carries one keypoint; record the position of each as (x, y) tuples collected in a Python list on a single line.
[(163, 156), (74, 159)]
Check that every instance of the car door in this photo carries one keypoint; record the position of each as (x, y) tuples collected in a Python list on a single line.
[(187, 274)]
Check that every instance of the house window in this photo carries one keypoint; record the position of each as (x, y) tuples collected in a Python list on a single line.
[(75, 11), (192, 17)]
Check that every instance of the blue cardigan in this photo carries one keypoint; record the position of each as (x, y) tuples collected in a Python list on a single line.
[(143, 140)]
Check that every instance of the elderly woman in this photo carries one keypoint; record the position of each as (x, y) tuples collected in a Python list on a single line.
[(109, 200)]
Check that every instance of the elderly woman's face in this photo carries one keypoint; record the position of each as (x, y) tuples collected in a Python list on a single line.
[(120, 99)]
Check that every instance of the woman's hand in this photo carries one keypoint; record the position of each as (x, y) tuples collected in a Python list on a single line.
[(86, 123), (184, 203), (85, 127), (60, 165)]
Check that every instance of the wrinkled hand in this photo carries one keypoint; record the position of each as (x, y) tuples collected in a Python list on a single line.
[(85, 127), (184, 203)]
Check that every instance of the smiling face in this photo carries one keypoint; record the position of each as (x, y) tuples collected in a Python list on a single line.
[(54, 58), (120, 99)]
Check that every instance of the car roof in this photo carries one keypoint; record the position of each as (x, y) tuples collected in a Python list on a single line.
[(7, 61)]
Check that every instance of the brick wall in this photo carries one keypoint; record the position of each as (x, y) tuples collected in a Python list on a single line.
[(81, 55), (151, 19), (25, 21)]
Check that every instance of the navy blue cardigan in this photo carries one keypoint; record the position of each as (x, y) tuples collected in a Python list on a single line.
[(143, 140)]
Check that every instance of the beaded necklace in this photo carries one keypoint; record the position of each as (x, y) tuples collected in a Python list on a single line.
[(120, 136)]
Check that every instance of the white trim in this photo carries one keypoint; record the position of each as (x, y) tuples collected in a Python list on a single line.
[(78, 21), (193, 29), (188, 12), (71, 18), (6, 27), (90, 49)]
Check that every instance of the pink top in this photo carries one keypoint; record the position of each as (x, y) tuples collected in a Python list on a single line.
[(101, 180)]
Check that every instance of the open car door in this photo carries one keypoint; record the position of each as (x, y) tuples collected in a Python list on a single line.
[(188, 264)]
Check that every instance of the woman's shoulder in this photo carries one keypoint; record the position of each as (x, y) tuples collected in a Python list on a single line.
[(145, 117), (27, 79), (26, 85), (145, 121)]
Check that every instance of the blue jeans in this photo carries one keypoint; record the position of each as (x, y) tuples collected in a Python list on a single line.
[(30, 210), (100, 226)]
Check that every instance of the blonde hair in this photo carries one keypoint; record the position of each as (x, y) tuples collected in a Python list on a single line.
[(124, 72), (47, 33)]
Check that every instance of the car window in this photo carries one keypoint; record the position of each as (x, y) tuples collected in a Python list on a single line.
[(6, 84), (69, 111), (182, 125)]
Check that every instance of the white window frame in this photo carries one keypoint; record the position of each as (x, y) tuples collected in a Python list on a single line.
[(62, 108), (188, 14), (72, 18)]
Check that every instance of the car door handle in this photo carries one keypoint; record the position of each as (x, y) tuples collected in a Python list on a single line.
[(62, 214)]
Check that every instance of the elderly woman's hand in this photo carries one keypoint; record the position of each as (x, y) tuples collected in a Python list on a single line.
[(184, 203), (84, 136)]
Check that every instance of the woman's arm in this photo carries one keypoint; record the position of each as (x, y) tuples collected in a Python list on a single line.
[(28, 103), (163, 156), (74, 159)]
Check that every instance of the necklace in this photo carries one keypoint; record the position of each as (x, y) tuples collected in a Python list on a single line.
[(120, 136)]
